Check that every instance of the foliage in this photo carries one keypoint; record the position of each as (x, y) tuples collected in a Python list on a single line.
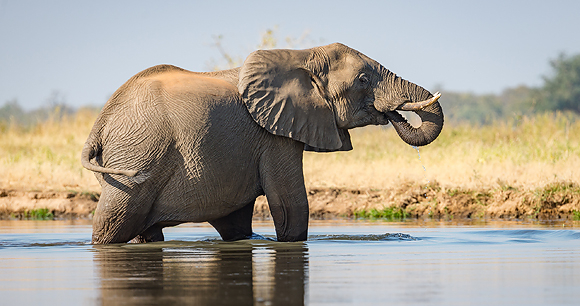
[(38, 214), (388, 213), (12, 114), (489, 108), (562, 90), (548, 192)]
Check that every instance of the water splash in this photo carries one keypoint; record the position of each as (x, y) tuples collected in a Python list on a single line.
[(422, 165)]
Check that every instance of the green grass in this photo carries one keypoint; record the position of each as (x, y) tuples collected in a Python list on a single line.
[(576, 215), (549, 191), (387, 213), (38, 214)]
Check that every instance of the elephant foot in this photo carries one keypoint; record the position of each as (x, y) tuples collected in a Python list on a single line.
[(138, 239), (152, 234), (237, 225)]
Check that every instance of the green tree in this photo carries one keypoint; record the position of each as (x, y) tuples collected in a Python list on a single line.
[(487, 108), (561, 91), (11, 110)]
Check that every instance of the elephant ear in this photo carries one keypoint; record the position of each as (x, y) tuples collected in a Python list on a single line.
[(344, 138), (285, 95)]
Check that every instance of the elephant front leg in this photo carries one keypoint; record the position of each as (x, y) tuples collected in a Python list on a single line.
[(237, 225), (290, 214), (283, 183)]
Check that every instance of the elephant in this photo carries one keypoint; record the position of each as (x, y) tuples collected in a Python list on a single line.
[(173, 146)]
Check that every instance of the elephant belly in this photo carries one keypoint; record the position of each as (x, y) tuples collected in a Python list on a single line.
[(197, 200), (210, 192)]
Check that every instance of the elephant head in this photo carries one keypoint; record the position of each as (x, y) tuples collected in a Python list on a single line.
[(316, 95)]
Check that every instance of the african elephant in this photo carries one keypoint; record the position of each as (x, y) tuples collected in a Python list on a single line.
[(173, 146)]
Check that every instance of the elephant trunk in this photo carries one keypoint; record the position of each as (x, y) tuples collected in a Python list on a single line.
[(418, 100), (431, 125)]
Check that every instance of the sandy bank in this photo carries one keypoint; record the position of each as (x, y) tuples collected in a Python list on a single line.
[(553, 202)]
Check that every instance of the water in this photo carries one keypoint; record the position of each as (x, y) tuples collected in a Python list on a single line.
[(422, 165), (342, 263)]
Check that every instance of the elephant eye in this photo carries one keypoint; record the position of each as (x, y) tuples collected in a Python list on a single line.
[(363, 79)]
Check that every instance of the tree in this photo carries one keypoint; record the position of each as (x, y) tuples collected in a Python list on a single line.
[(562, 90), (268, 40), (11, 110)]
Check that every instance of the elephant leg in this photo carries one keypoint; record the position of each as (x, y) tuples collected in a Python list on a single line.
[(152, 234), (237, 225), (121, 214), (290, 214), (283, 184)]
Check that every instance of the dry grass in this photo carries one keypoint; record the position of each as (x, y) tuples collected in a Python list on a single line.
[(46, 157), (527, 153)]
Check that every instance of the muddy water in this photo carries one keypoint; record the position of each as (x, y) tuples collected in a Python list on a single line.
[(342, 263)]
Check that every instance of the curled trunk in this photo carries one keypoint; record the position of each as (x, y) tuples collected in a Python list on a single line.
[(431, 125), (401, 94)]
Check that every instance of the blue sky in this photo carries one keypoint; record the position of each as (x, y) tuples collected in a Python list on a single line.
[(85, 50)]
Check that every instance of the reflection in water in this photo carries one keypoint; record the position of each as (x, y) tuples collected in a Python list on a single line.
[(203, 273), (352, 264)]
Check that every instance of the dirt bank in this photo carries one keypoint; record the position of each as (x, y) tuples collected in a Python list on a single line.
[(553, 202), (62, 205)]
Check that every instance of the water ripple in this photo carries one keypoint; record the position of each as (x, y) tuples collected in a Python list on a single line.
[(370, 237)]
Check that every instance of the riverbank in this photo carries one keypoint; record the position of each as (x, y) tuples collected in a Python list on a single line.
[(552, 202)]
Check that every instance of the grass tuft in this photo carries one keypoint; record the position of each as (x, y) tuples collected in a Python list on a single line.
[(38, 214), (387, 213)]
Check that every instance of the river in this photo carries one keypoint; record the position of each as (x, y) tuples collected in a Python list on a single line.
[(342, 263)]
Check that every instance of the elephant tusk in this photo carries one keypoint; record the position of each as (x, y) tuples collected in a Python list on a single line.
[(415, 106)]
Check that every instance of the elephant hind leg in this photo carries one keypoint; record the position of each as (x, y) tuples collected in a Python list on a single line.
[(113, 230), (118, 217), (237, 225), (152, 234)]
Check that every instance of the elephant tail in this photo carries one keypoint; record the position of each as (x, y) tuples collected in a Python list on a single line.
[(90, 151)]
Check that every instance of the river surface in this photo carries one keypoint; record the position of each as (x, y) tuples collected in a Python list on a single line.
[(342, 263)]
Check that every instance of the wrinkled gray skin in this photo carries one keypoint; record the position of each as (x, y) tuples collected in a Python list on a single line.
[(174, 146)]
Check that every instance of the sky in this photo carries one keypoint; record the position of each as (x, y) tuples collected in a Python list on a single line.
[(80, 52)]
